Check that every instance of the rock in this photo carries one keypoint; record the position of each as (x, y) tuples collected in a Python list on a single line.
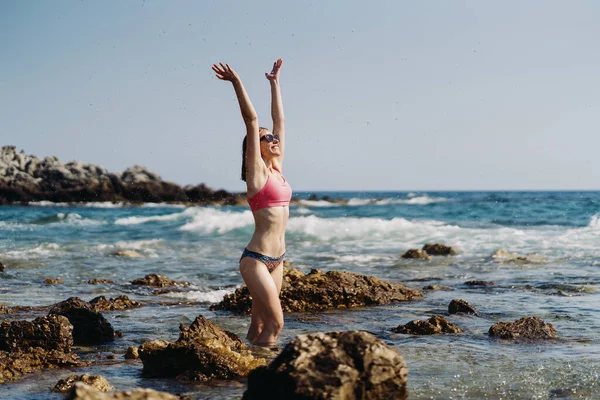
[(89, 326), (82, 391), (127, 253), (95, 381), (459, 306), (479, 283), (122, 302), (53, 332), (156, 280), (435, 287), (432, 326), (138, 174), (132, 353), (437, 249), (14, 364), (319, 291), (504, 256), (334, 365), (53, 281), (96, 281), (202, 352), (416, 253), (524, 328), (2, 267)]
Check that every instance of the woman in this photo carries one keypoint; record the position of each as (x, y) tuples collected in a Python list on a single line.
[(269, 194)]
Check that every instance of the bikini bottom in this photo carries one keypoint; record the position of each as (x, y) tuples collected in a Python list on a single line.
[(270, 262)]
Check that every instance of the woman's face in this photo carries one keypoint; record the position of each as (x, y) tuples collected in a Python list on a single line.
[(269, 149)]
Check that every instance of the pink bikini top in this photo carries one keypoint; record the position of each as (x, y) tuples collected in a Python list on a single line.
[(273, 194)]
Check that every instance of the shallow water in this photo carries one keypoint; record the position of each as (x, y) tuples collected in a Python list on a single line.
[(202, 245)]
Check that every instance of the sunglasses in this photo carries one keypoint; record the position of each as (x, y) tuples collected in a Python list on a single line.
[(269, 138)]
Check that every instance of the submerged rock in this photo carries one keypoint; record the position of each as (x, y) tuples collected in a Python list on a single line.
[(459, 306), (101, 303), (479, 283), (203, 352), (127, 254), (53, 281), (416, 253), (16, 363), (156, 280), (524, 328), (504, 256), (319, 291), (432, 326), (435, 287), (89, 326), (95, 381), (335, 365), (438, 249), (97, 281), (81, 391)]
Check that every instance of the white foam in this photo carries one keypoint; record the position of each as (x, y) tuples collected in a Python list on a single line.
[(211, 220), (156, 218), (421, 200), (76, 219), (318, 203), (303, 210), (213, 296), (42, 250)]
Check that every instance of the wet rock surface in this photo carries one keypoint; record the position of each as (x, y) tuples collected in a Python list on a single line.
[(438, 249), (98, 281), (335, 365), (16, 363), (459, 306), (53, 332), (89, 326), (26, 178), (132, 353), (203, 352), (504, 256), (82, 391), (524, 328), (53, 281), (416, 254), (432, 326), (480, 283), (97, 382), (319, 291), (101, 303), (156, 280)]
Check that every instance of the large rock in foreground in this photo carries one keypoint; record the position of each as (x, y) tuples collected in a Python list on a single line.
[(203, 352), (319, 291), (97, 382), (524, 328), (16, 363), (82, 391), (335, 365)]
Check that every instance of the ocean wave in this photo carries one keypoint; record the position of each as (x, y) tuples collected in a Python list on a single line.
[(42, 250), (67, 219), (210, 220), (411, 200), (318, 203), (156, 218), (103, 204)]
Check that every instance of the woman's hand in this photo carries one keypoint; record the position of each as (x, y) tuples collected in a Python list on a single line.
[(273, 76), (225, 73)]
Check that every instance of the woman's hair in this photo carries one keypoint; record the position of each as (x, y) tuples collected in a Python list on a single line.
[(244, 145)]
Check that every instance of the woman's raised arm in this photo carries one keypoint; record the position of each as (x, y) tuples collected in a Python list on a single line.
[(277, 105)]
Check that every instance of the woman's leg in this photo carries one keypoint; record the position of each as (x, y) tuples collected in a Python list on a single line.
[(264, 291), (257, 322)]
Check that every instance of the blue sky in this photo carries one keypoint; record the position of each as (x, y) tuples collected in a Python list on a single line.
[(378, 95)]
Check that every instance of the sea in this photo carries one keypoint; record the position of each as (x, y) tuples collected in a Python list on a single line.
[(557, 278)]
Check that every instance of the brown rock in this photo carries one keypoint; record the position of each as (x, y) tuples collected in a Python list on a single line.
[(97, 382), (2, 267), (202, 352), (335, 365), (127, 253), (82, 391), (53, 332), (524, 328), (459, 306), (132, 353), (96, 281), (100, 303), (53, 281), (318, 291), (156, 280), (416, 253), (16, 363), (437, 249), (89, 326), (434, 325), (435, 287), (479, 283)]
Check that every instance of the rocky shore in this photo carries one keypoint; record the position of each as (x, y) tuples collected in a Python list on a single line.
[(26, 178)]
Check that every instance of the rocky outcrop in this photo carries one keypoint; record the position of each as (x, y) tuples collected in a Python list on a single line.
[(26, 178), (459, 306), (26, 346), (101, 303), (97, 281), (504, 256), (432, 326), (524, 328), (156, 280), (89, 326), (416, 253), (319, 291), (335, 365), (437, 249), (132, 353), (95, 381), (203, 352), (82, 391)]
